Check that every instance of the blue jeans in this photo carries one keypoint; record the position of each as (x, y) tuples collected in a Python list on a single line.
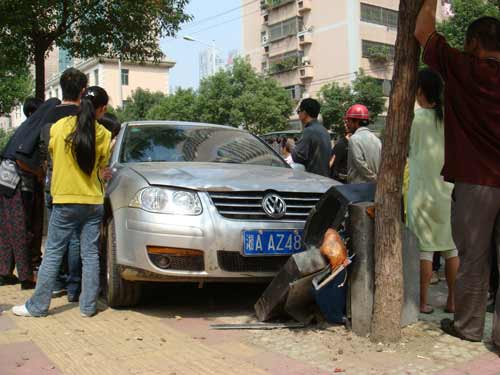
[(73, 280), (64, 221)]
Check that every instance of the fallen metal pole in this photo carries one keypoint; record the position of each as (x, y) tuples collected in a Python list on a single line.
[(258, 326)]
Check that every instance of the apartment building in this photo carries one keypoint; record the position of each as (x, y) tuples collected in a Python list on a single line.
[(306, 44), (118, 78)]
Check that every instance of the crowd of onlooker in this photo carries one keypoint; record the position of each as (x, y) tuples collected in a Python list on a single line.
[(452, 189), (58, 157)]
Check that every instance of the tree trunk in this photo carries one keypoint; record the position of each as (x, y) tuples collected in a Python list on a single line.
[(388, 302), (40, 71)]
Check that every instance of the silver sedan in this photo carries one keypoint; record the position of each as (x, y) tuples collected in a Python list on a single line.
[(199, 202)]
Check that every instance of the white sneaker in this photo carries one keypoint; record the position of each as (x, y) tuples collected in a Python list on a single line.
[(21, 310), (86, 316)]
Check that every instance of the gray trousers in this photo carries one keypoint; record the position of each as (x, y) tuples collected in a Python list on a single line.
[(475, 220)]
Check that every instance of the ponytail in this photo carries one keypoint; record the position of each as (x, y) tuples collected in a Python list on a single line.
[(83, 139), (431, 85), (438, 109)]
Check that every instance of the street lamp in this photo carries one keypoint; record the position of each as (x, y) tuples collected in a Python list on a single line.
[(211, 45)]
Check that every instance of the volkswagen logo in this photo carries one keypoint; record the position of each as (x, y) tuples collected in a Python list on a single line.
[(274, 206)]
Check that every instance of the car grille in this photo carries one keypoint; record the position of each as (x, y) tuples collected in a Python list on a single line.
[(248, 205), (232, 261)]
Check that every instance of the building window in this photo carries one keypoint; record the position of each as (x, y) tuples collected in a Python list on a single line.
[(295, 91), (379, 15), (126, 102), (376, 50), (96, 77), (386, 85), (57, 93), (286, 28), (125, 77)]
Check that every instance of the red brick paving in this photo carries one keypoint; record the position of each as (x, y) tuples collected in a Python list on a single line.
[(6, 323), (488, 364), (25, 358)]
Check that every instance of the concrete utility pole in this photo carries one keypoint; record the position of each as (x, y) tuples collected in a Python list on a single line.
[(388, 303)]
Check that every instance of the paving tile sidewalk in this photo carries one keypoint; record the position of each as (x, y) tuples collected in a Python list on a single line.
[(162, 340)]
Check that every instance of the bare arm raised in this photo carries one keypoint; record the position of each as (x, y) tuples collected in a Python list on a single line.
[(426, 21)]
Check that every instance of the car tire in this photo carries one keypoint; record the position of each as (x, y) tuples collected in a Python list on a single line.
[(118, 292)]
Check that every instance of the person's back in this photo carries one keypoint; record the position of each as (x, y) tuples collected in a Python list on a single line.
[(69, 183), (313, 149), (339, 155), (79, 147), (472, 154), (364, 157), (320, 149), (472, 107)]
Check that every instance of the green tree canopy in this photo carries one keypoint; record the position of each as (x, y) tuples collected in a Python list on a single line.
[(16, 84), (180, 106), (240, 96), (237, 96), (138, 105), (115, 28), (466, 11), (336, 99), (4, 138)]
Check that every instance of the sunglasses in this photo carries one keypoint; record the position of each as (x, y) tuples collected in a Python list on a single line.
[(299, 110)]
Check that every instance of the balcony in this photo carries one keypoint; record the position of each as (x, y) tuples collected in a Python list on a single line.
[(304, 6), (285, 64), (271, 4), (304, 39), (306, 73)]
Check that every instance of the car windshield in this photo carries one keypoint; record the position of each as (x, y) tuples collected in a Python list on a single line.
[(188, 143)]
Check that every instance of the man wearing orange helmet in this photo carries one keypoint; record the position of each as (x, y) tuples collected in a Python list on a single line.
[(363, 158)]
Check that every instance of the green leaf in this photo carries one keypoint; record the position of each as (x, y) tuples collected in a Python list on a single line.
[(128, 29), (336, 99), (466, 11)]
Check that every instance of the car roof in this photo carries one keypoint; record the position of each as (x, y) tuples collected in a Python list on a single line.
[(183, 123)]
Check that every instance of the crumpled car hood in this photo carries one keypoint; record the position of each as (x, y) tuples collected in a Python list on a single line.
[(231, 177)]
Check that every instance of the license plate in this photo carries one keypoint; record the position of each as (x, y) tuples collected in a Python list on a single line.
[(272, 242)]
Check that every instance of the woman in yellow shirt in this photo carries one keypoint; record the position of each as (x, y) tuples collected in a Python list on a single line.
[(79, 147)]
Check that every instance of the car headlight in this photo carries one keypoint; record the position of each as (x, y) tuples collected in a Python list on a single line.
[(167, 201)]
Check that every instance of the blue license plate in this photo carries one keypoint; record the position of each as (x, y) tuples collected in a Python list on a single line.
[(272, 242)]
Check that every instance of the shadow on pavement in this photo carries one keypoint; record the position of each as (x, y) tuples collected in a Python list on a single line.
[(169, 300)]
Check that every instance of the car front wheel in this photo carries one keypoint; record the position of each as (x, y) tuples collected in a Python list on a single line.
[(118, 292)]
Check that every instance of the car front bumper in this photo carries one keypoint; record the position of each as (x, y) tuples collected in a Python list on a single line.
[(216, 239)]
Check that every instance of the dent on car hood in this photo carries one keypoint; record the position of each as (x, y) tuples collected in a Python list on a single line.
[(230, 177)]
